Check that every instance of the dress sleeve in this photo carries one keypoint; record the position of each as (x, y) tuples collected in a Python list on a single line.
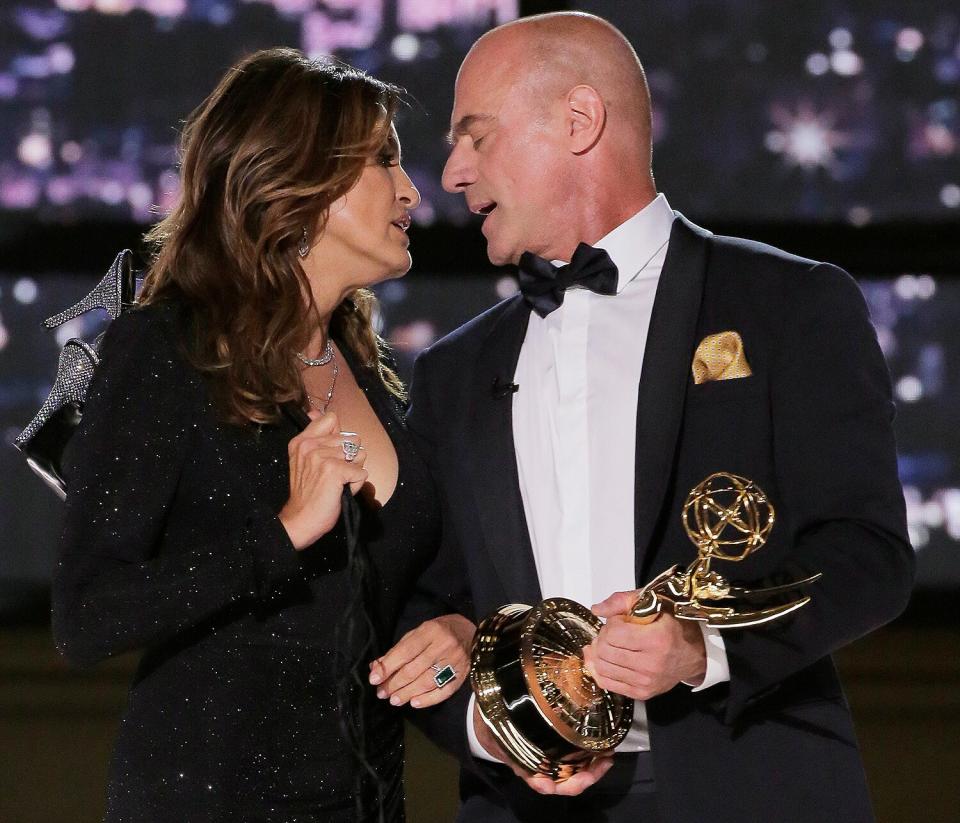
[(118, 585)]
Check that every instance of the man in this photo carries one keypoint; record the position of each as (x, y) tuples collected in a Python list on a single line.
[(566, 427)]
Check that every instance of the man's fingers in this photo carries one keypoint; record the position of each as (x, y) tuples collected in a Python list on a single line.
[(584, 779), (611, 684), (612, 676), (572, 786), (620, 674), (600, 651), (622, 633), (616, 603), (539, 783)]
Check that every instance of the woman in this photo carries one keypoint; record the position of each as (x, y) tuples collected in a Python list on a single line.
[(202, 526)]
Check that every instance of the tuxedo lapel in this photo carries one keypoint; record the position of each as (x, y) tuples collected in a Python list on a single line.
[(670, 346), (493, 461)]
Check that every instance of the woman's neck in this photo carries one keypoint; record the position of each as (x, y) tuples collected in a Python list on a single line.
[(318, 339)]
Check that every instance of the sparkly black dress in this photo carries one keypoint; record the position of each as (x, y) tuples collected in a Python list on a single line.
[(172, 546)]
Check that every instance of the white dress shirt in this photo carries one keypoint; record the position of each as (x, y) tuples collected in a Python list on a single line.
[(575, 426)]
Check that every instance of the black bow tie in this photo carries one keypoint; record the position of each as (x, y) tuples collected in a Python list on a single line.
[(543, 285)]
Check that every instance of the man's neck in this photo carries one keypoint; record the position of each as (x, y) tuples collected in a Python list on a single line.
[(605, 208)]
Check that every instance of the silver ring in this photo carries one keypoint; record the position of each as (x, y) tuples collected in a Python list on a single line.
[(350, 450), (443, 674)]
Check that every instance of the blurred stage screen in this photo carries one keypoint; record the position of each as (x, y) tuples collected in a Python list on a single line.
[(762, 110), (92, 92), (915, 317)]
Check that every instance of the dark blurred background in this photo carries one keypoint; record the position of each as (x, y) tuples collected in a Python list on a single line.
[(831, 129)]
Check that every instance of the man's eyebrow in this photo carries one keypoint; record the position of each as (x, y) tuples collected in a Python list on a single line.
[(464, 124)]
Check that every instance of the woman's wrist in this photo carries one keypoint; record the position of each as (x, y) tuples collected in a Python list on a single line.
[(295, 531)]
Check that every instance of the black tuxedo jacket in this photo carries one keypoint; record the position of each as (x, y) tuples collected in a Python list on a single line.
[(812, 426)]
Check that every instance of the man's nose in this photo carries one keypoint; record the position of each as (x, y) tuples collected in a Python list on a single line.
[(459, 170)]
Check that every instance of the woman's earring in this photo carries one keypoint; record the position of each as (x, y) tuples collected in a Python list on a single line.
[(303, 247)]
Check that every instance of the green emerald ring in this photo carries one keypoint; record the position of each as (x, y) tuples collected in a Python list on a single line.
[(442, 674)]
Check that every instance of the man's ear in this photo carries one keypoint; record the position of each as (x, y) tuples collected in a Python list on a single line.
[(586, 118)]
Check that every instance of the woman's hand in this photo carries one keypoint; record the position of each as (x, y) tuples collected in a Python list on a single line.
[(318, 472), (404, 673)]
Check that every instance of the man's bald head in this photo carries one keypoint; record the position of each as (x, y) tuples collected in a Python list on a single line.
[(550, 135), (549, 54)]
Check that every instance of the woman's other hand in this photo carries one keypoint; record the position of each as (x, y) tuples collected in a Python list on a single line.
[(405, 673), (319, 470)]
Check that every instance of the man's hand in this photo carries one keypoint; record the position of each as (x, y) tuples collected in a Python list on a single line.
[(643, 660), (538, 782)]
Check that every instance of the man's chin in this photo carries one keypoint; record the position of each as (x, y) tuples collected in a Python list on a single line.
[(501, 256)]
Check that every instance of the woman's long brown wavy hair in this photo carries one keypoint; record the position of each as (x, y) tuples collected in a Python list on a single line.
[(277, 142)]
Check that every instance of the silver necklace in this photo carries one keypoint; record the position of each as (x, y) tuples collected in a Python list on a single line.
[(325, 356), (315, 402)]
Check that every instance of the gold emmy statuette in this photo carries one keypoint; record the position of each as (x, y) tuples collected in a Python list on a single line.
[(527, 668)]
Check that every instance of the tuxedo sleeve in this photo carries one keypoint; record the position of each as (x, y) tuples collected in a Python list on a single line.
[(836, 472), (443, 587)]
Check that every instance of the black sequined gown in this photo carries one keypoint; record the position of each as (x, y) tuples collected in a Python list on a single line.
[(172, 546)]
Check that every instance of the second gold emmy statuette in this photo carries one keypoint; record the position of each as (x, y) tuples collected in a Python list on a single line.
[(527, 668)]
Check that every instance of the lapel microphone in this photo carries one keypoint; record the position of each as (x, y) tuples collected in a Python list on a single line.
[(501, 389)]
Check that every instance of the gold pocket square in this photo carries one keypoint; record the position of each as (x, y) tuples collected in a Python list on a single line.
[(720, 357)]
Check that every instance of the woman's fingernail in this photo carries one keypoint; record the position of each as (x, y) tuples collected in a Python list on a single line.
[(415, 702), (375, 678), (394, 700), (381, 693)]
